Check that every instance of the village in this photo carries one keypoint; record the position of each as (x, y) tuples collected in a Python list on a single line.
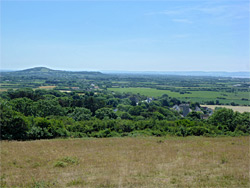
[(184, 109)]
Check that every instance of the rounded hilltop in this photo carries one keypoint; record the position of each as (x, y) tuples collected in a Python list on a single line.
[(38, 69)]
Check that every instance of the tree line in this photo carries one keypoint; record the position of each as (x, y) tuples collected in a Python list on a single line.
[(42, 114)]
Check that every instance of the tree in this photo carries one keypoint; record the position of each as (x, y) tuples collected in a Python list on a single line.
[(123, 107), (41, 128), (164, 102), (126, 115), (174, 101), (113, 102), (194, 115), (80, 114), (13, 124), (158, 116), (225, 117), (103, 113), (135, 110), (23, 105), (94, 103), (45, 108)]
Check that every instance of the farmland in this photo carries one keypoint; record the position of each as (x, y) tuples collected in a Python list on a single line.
[(205, 90), (47, 87), (197, 96), (127, 162)]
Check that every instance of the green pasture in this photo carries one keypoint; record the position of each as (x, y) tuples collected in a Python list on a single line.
[(196, 96)]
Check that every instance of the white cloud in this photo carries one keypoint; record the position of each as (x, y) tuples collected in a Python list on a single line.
[(223, 11)]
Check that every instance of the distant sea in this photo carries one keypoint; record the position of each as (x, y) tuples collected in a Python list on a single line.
[(185, 73), (7, 70)]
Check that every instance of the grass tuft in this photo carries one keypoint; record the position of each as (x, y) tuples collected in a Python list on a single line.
[(224, 160), (70, 160), (60, 164), (76, 182), (66, 161)]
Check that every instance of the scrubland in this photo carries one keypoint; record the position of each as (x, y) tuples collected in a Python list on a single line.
[(127, 162)]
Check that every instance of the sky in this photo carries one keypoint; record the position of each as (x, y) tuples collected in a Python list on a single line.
[(166, 35)]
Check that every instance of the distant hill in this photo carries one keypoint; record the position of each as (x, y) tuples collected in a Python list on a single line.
[(38, 69), (46, 72)]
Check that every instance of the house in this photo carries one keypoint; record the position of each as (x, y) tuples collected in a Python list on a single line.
[(148, 100), (185, 109), (197, 109), (176, 108), (206, 112)]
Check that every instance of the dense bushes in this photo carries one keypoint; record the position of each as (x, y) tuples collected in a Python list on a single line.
[(44, 115), (13, 124), (21, 128)]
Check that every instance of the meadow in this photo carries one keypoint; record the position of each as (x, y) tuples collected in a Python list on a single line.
[(127, 162), (195, 96)]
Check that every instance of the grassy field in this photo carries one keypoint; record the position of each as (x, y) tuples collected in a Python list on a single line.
[(240, 109), (196, 96), (127, 162)]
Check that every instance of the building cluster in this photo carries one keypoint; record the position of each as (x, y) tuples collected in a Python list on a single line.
[(185, 110), (149, 100), (93, 87)]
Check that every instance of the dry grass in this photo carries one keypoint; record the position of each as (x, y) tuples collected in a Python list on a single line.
[(2, 90), (240, 109), (127, 162), (47, 87)]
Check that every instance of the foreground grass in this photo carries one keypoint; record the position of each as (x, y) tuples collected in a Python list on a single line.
[(127, 162)]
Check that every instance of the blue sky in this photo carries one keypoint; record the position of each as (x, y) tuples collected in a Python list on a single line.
[(126, 35)]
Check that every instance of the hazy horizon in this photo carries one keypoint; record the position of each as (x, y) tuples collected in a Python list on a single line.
[(164, 36), (110, 71)]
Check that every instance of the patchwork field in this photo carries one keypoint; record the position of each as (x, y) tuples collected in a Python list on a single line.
[(127, 162), (196, 96)]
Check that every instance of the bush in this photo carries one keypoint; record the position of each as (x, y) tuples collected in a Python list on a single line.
[(14, 125)]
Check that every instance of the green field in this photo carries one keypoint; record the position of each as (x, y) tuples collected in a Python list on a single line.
[(195, 96)]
